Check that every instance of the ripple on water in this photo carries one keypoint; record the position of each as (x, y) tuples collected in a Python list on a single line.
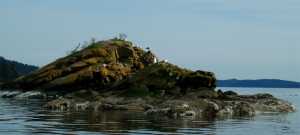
[(25, 116)]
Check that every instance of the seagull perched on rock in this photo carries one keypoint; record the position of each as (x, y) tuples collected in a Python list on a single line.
[(104, 65), (155, 60)]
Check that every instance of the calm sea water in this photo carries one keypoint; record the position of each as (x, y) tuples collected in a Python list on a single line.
[(28, 117)]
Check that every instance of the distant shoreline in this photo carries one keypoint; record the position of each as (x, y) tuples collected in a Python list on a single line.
[(258, 87), (260, 83)]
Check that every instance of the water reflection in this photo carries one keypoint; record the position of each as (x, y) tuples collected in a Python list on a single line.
[(28, 117), (31, 118), (119, 122)]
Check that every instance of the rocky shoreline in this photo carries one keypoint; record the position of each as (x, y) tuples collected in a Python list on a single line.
[(116, 75), (204, 104), (193, 104)]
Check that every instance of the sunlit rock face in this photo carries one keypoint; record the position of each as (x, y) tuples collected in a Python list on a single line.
[(114, 64)]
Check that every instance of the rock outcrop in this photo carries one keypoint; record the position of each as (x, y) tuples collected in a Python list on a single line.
[(193, 104), (96, 66), (113, 64), (116, 75), (166, 79)]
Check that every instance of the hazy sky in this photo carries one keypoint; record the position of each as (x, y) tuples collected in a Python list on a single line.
[(233, 38)]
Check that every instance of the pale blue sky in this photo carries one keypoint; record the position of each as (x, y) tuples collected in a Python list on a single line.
[(233, 38)]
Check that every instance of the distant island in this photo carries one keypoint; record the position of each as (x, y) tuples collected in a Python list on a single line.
[(260, 83), (10, 70)]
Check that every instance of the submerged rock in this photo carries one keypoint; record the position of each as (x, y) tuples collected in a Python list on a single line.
[(31, 95), (9, 94), (23, 95)]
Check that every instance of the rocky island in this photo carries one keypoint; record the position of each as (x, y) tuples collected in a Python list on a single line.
[(115, 75)]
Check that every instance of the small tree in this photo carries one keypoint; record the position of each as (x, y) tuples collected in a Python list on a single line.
[(93, 40), (122, 36), (76, 49), (85, 43)]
